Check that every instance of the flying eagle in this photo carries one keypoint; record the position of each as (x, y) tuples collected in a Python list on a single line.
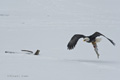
[(89, 39)]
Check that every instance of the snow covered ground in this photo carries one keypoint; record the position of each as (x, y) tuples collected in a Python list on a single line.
[(48, 25)]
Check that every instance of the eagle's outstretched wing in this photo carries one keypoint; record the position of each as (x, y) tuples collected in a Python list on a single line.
[(74, 40), (99, 34)]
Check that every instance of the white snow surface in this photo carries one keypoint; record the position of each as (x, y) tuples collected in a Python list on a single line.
[(48, 25)]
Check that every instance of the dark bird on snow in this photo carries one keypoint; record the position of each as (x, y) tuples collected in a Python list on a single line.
[(89, 39)]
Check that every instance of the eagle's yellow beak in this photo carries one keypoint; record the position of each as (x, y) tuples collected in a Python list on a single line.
[(84, 40)]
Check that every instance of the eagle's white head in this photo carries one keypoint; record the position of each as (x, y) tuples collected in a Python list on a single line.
[(86, 39)]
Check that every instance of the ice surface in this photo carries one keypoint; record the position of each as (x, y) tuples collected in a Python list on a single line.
[(48, 25)]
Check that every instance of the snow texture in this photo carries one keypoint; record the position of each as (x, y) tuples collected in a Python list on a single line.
[(48, 25)]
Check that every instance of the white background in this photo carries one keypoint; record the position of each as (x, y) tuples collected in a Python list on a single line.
[(48, 25)]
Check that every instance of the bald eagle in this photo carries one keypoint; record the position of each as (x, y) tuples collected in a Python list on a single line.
[(89, 39)]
